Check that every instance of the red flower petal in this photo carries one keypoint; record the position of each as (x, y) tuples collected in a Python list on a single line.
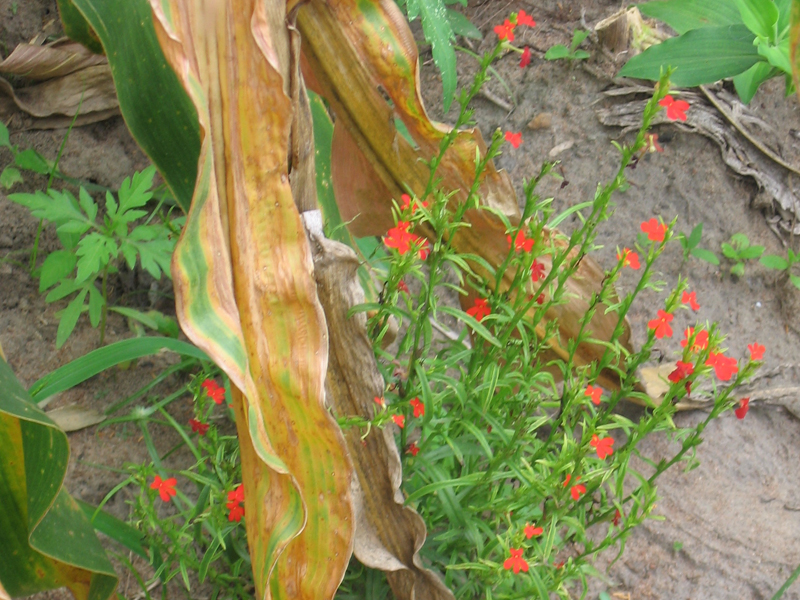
[(756, 351), (690, 299), (744, 406), (525, 60), (515, 139), (399, 420), (654, 229), (532, 530)]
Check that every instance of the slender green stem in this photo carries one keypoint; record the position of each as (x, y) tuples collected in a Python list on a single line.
[(104, 310)]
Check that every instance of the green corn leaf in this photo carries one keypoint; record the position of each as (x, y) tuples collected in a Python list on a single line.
[(57, 266), (777, 56), (119, 531), (46, 539), (684, 15), (158, 112), (77, 28), (699, 56), (747, 83), (437, 31)]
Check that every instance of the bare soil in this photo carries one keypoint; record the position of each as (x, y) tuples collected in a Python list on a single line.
[(728, 530)]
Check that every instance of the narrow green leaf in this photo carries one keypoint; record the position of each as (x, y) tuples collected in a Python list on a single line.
[(747, 83), (152, 319), (684, 15), (462, 26), (437, 30), (89, 365), (4, 138), (77, 28), (777, 56), (699, 56), (88, 204), (95, 306), (760, 16), (64, 289), (69, 318), (57, 266), (695, 236), (156, 109), (705, 255)]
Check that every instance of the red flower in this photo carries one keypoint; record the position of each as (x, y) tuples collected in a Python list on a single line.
[(744, 406), (424, 246), (523, 19), (577, 489), (540, 299), (526, 58), (198, 427), (651, 139), (724, 367), (617, 517), (700, 340), (676, 109), (505, 31), (594, 393), (629, 258), (537, 271), (380, 401), (480, 309), (419, 408), (756, 351), (216, 393), (401, 286), (235, 499), (413, 449), (401, 239), (399, 420), (681, 372), (690, 298), (407, 202), (515, 139), (532, 530), (165, 487), (602, 445), (516, 561), (521, 243), (654, 229), (661, 324)]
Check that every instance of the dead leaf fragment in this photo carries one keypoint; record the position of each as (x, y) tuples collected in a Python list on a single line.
[(75, 418)]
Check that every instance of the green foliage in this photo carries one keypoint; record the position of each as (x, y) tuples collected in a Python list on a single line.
[(739, 250), (691, 246), (744, 39), (93, 244), (28, 159), (779, 263), (46, 538), (572, 53)]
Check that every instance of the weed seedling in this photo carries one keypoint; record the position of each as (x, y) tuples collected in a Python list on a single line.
[(740, 250), (779, 263), (691, 246), (572, 53)]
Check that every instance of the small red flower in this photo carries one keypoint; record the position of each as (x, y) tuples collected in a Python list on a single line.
[(399, 420), (235, 499), (532, 530), (516, 561), (419, 408), (521, 243), (540, 299), (165, 487), (681, 372), (602, 445), (559, 564), (413, 449), (401, 285), (524, 19), (756, 351), (515, 139), (537, 271), (724, 367), (525, 60), (398, 237), (577, 489), (380, 401), (654, 229), (690, 298), (700, 340), (480, 309), (594, 393), (651, 139), (676, 109), (629, 258), (505, 31), (216, 393), (661, 324), (617, 517), (744, 406), (406, 202), (424, 246), (198, 427)]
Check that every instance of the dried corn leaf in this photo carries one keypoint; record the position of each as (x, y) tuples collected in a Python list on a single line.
[(245, 292)]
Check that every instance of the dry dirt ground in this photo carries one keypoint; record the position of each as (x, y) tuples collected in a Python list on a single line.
[(728, 530)]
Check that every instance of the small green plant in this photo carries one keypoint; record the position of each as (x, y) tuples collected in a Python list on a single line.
[(559, 51), (739, 250), (779, 263), (14, 8), (691, 246), (94, 244), (747, 40), (27, 159)]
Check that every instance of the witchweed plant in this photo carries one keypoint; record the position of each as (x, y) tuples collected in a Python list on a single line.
[(513, 452)]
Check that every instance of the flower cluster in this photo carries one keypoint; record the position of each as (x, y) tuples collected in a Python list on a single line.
[(165, 487), (235, 502), (402, 240), (505, 31)]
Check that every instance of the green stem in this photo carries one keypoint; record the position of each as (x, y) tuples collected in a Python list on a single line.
[(104, 312)]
